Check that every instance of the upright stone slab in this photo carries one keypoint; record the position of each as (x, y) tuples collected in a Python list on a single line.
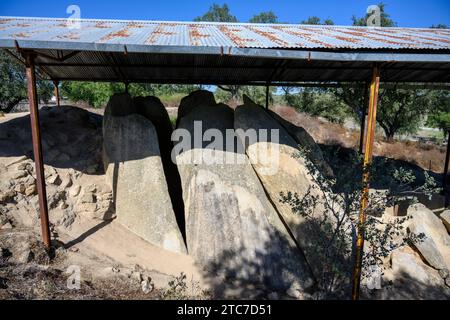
[(435, 245), (194, 99), (135, 172), (232, 230), (152, 108), (304, 140), (283, 169)]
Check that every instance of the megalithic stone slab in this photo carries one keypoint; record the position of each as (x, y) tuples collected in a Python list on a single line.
[(232, 230), (194, 99), (304, 140), (135, 172), (152, 108), (282, 169)]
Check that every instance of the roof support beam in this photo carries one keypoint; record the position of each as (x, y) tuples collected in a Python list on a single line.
[(368, 151), (445, 178), (37, 148), (363, 117)]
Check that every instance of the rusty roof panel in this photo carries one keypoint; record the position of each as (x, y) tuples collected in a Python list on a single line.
[(208, 34)]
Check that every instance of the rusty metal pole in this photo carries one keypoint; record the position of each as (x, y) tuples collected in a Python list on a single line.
[(56, 84), (445, 178), (37, 148), (368, 150), (363, 117)]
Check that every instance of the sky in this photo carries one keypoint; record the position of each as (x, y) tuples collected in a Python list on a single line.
[(407, 13)]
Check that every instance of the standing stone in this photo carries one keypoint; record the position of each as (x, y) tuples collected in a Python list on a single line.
[(445, 217), (435, 247), (304, 140), (194, 99), (152, 109), (410, 278), (283, 169), (135, 173), (232, 230)]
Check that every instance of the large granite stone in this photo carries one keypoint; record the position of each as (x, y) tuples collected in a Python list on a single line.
[(283, 169), (232, 230), (135, 172)]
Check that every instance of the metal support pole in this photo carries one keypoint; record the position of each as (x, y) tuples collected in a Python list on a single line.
[(368, 150), (445, 178), (363, 117), (56, 84), (37, 148), (267, 97)]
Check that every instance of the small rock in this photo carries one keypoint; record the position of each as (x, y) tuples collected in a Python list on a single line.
[(74, 249), (20, 174), (20, 188), (107, 195), (63, 205), (23, 166), (75, 191), (31, 190), (88, 197), (30, 180), (147, 285), (434, 248), (54, 179), (294, 293), (115, 269), (90, 188), (66, 183), (7, 226), (373, 281)]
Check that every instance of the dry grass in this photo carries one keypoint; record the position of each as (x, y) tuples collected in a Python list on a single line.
[(427, 156)]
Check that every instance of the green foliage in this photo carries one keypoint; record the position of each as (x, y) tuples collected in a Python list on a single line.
[(386, 21), (257, 93), (178, 290), (217, 13), (13, 84), (316, 102), (400, 111), (440, 115), (316, 21), (442, 120), (333, 216), (264, 17), (97, 94), (439, 26)]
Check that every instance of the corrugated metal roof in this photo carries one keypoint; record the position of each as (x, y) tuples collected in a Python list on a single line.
[(226, 53), (208, 34)]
